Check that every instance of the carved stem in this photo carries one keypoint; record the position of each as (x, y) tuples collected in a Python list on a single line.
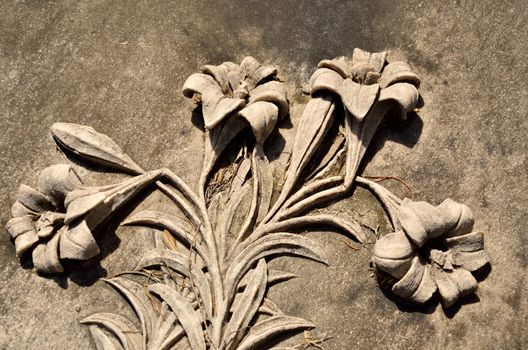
[(388, 200)]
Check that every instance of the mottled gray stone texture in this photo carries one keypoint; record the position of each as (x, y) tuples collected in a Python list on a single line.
[(119, 66)]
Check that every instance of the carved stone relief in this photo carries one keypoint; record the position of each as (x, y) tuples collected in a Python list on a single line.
[(204, 286)]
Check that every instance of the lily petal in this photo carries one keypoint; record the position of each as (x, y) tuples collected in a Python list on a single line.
[(19, 225), (375, 59), (197, 83), (466, 282), (262, 117), (248, 66), (215, 105), (421, 221), (262, 73), (79, 202), (18, 209), (417, 285), (470, 242), (78, 243), (46, 256), (393, 253), (326, 79), (25, 241), (459, 218), (470, 261), (447, 287), (274, 92), (405, 95), (33, 200), (219, 73), (340, 65), (56, 181), (398, 72), (358, 98), (99, 202), (454, 285)]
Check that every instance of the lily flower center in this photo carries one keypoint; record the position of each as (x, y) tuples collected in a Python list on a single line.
[(365, 74)]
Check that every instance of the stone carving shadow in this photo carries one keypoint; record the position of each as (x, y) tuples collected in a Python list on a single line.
[(405, 132)]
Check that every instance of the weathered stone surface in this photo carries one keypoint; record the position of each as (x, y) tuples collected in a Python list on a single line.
[(120, 66)]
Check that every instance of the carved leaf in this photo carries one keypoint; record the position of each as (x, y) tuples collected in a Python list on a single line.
[(313, 126), (262, 191), (93, 146), (167, 257), (272, 244), (273, 326), (166, 321), (171, 223), (172, 338), (124, 330), (135, 295), (350, 228), (188, 317), (180, 263), (247, 305), (274, 276), (103, 340)]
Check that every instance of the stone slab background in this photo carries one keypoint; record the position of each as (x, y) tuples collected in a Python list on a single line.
[(120, 65)]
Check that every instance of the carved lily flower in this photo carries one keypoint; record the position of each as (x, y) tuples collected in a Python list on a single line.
[(57, 220), (365, 79), (249, 89), (436, 249), (39, 214), (368, 89)]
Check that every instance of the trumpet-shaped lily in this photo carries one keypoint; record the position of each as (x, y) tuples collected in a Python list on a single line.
[(58, 219), (249, 90), (365, 79)]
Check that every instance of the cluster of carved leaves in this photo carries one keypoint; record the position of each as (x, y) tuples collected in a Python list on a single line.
[(204, 285)]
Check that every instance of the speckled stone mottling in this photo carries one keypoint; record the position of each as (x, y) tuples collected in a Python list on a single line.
[(119, 66)]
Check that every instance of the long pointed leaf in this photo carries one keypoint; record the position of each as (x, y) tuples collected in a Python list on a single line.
[(313, 126), (172, 338), (135, 295), (274, 276), (103, 340), (272, 244), (125, 331), (351, 228), (188, 317), (271, 327), (171, 223), (246, 307), (180, 263)]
